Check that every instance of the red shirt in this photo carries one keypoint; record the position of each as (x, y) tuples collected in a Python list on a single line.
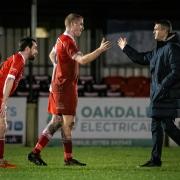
[(13, 67), (66, 68)]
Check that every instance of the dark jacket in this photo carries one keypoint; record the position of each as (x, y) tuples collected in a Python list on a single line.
[(164, 62)]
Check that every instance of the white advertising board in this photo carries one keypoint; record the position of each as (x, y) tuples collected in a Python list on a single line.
[(16, 120), (106, 119)]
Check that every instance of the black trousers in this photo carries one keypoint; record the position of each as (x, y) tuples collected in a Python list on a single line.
[(158, 126)]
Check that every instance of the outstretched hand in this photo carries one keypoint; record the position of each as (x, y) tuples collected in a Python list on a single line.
[(105, 45), (122, 42)]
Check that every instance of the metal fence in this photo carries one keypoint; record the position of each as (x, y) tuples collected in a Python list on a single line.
[(87, 42)]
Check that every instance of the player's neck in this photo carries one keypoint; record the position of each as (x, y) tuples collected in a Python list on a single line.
[(24, 55), (68, 31)]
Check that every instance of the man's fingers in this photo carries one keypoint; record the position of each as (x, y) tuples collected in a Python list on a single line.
[(103, 40)]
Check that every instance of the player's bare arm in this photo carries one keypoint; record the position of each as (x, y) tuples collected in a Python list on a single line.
[(6, 92), (87, 58), (52, 55)]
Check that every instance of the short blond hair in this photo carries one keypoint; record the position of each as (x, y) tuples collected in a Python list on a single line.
[(70, 18)]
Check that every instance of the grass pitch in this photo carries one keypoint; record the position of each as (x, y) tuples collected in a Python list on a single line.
[(103, 163)]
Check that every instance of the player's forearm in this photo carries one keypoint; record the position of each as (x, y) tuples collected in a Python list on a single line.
[(7, 89), (89, 57)]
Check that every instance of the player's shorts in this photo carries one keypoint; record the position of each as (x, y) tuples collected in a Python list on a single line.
[(63, 102)]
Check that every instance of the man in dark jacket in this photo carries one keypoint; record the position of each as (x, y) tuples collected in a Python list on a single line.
[(164, 62)]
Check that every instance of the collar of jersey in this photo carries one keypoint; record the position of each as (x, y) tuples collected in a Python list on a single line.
[(67, 34)]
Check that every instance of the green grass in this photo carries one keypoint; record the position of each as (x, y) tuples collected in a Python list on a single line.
[(103, 163)]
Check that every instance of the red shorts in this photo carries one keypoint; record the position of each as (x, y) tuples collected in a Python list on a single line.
[(65, 101)]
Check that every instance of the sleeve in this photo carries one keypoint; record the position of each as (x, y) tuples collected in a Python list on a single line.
[(15, 67), (174, 76), (174, 60), (71, 49), (138, 57)]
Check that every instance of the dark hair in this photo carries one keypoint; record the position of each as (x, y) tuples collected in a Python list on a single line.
[(166, 24), (26, 42)]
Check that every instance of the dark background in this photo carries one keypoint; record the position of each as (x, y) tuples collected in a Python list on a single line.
[(51, 13)]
